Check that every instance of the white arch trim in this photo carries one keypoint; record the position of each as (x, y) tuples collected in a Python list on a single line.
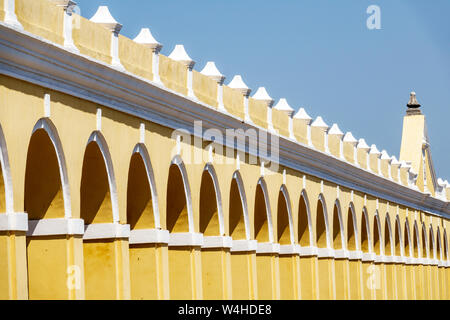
[(355, 226), (325, 216), (337, 204), (47, 125), (141, 149), (439, 244), (285, 192), (417, 240), (425, 254), (391, 239), (400, 237), (304, 196), (408, 233), (4, 162), (432, 248), (187, 190), (212, 173), (380, 238), (98, 138), (369, 235), (263, 185), (240, 184)]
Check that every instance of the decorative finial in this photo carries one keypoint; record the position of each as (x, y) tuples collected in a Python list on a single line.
[(179, 54), (413, 105), (146, 38)]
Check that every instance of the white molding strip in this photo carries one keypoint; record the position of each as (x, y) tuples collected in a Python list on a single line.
[(30, 58), (267, 247), (308, 251), (289, 249), (341, 254), (142, 236), (185, 239), (17, 221), (354, 255), (368, 257), (217, 242), (244, 245), (325, 253), (96, 231), (54, 227)]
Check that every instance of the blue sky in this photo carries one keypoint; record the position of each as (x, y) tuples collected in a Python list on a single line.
[(318, 54)]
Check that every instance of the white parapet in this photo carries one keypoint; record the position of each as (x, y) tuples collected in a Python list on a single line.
[(284, 106), (262, 95), (303, 116), (335, 131), (146, 38), (210, 70), (238, 84), (374, 152), (362, 145), (10, 14), (180, 54), (320, 124), (104, 18), (68, 6)]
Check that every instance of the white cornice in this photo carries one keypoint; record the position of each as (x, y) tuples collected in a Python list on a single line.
[(33, 59)]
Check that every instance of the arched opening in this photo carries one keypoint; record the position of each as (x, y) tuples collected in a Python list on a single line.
[(236, 215), (182, 279), (387, 237), (96, 205), (445, 246), (213, 259), (44, 199), (101, 262), (209, 217), (43, 189), (351, 230), (416, 244), (240, 262), (283, 227), (432, 245), (287, 266), (321, 227), (304, 237), (337, 228), (365, 247), (407, 240), (425, 247), (140, 213), (261, 221), (439, 245), (397, 243), (377, 236), (177, 210)]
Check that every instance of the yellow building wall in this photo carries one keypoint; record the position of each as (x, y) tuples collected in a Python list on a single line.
[(91, 39), (280, 121), (205, 88), (258, 112), (173, 74), (41, 18), (233, 101), (135, 58)]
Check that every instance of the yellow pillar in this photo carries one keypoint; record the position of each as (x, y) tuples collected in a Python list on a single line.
[(216, 268), (243, 270), (289, 285), (326, 276), (149, 264), (355, 270), (55, 259), (308, 276), (342, 278), (13, 265)]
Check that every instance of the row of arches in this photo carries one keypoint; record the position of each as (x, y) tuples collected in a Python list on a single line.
[(47, 196)]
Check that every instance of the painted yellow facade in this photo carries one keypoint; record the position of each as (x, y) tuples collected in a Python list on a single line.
[(100, 199)]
